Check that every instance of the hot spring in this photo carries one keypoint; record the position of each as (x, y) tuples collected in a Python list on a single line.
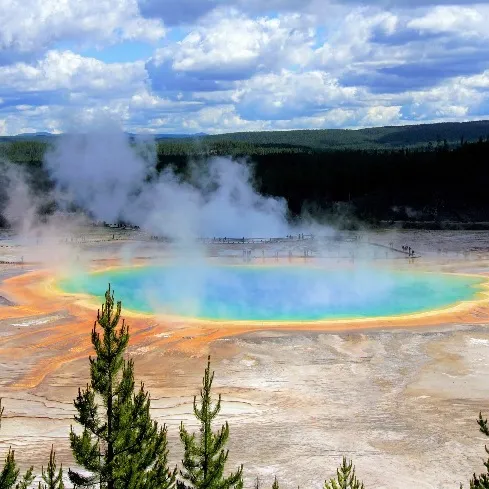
[(275, 293)]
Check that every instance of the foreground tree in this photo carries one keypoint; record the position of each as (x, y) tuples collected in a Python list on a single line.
[(9, 476), (204, 457), (120, 445), (52, 478), (481, 481), (345, 478)]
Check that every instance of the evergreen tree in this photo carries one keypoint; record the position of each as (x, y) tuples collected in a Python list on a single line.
[(204, 456), (345, 478), (481, 481), (120, 445), (275, 483), (52, 478), (9, 476)]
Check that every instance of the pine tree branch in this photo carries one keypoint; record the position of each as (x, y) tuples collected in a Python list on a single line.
[(130, 451)]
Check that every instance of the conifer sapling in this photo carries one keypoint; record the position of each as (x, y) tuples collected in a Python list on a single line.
[(52, 478), (481, 481), (120, 446), (345, 478), (9, 475), (204, 455)]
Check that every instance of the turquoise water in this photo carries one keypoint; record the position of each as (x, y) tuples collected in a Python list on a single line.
[(286, 293)]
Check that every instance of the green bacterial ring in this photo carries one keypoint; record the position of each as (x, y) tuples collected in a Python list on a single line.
[(277, 294)]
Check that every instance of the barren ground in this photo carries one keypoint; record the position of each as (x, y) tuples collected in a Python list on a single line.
[(401, 402)]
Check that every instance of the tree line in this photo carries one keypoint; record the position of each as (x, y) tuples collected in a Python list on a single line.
[(387, 137), (438, 182), (119, 446), (430, 184)]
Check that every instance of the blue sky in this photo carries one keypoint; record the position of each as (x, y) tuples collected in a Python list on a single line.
[(187, 66)]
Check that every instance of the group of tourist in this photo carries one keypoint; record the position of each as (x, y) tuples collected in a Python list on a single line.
[(408, 250), (405, 248)]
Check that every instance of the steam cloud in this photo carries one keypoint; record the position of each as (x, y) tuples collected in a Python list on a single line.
[(102, 173), (110, 179)]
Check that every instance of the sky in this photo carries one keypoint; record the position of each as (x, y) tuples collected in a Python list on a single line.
[(215, 66)]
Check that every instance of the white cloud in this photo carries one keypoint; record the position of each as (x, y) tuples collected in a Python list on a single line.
[(242, 64), (65, 70), (219, 119), (453, 18), (350, 41), (29, 119), (287, 94), (34, 25), (381, 116), (176, 12), (230, 45), (143, 99), (453, 99)]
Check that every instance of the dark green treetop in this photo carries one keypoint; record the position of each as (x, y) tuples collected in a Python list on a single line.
[(120, 445), (204, 456), (9, 475), (481, 481), (52, 478), (345, 478)]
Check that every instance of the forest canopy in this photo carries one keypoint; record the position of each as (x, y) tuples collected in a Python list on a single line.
[(423, 174)]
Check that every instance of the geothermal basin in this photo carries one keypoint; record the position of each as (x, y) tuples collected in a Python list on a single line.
[(276, 293), (381, 360)]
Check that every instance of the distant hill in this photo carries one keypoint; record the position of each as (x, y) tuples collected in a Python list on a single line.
[(168, 135), (388, 137), (30, 136), (46, 136), (375, 137), (179, 136)]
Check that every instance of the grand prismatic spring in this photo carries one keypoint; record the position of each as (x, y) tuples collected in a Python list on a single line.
[(370, 357), (276, 293)]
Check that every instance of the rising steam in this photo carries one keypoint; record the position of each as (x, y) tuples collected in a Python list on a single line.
[(111, 179), (103, 175)]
